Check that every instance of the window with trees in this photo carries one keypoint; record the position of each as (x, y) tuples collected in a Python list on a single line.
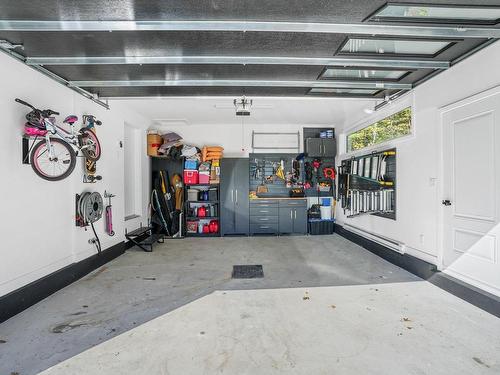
[(391, 127)]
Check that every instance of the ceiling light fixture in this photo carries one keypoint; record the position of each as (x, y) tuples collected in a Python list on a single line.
[(243, 106)]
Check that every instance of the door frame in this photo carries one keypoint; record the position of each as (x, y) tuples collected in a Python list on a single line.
[(443, 110)]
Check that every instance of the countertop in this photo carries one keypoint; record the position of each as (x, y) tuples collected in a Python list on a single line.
[(281, 198)]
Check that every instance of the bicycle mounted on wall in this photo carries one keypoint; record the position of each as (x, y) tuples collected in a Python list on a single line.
[(54, 158)]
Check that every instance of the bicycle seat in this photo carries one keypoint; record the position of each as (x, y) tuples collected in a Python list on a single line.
[(71, 119)]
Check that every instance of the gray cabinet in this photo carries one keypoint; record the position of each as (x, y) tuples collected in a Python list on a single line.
[(321, 147), (300, 220), (329, 147), (264, 216), (314, 147), (293, 216), (286, 219), (234, 196), (278, 216)]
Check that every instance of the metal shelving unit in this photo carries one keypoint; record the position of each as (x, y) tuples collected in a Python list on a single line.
[(211, 202)]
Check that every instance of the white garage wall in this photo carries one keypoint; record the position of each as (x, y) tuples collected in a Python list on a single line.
[(237, 138), (419, 157), (37, 225)]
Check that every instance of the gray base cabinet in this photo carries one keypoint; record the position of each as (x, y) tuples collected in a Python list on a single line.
[(264, 216), (293, 216), (235, 179), (278, 216)]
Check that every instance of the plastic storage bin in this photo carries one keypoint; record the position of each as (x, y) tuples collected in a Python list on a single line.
[(204, 178), (326, 212), (326, 201), (190, 177), (319, 227), (190, 164)]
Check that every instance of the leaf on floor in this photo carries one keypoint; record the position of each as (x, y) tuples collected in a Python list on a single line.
[(478, 360), (333, 306)]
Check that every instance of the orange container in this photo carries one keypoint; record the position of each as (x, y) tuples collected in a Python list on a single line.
[(154, 142)]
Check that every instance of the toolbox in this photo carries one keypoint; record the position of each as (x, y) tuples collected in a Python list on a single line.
[(190, 177)]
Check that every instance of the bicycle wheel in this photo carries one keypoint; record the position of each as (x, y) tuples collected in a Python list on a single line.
[(91, 148), (60, 166)]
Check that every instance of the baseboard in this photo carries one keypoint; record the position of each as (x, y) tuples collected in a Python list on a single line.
[(408, 262), (475, 296), (427, 271), (26, 296)]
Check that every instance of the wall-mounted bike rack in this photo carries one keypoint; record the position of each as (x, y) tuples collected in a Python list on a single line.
[(27, 145)]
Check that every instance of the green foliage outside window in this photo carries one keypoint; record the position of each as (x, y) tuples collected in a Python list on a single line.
[(392, 127)]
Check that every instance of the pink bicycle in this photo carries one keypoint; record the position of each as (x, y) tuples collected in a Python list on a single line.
[(54, 158)]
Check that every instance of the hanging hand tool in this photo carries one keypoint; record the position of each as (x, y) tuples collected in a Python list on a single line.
[(109, 214)]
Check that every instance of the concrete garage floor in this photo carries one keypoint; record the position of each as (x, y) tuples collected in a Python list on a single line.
[(345, 311)]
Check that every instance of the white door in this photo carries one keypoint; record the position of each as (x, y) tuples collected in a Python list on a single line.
[(471, 184)]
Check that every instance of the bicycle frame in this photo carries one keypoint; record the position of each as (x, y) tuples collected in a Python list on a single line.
[(56, 131)]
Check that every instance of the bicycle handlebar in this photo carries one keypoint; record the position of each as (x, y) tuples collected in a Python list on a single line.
[(24, 103), (45, 113)]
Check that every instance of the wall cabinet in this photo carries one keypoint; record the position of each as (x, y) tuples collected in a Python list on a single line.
[(321, 147), (234, 196)]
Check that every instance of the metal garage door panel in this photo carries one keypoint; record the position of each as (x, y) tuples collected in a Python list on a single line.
[(177, 43), (185, 72), (276, 10), (197, 91)]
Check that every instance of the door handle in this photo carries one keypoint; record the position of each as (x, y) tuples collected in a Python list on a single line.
[(232, 195), (446, 202), (295, 216), (236, 196), (291, 214)]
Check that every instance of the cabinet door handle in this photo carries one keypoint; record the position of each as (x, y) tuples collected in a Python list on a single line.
[(264, 211), (232, 195), (236, 197), (264, 219), (295, 214)]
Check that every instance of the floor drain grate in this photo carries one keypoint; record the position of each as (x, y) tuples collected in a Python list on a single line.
[(247, 271)]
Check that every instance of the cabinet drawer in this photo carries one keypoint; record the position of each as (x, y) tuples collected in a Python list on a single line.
[(264, 203), (293, 203), (264, 211), (263, 228), (263, 219)]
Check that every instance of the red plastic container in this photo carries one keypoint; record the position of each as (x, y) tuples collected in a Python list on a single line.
[(190, 177), (204, 177)]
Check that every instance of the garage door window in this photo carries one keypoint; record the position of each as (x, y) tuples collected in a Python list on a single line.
[(392, 127)]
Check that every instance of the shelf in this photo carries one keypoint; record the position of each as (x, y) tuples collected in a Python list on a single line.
[(202, 186), (202, 235), (213, 202), (202, 218)]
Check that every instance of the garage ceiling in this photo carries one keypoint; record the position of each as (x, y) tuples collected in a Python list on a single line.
[(143, 48)]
